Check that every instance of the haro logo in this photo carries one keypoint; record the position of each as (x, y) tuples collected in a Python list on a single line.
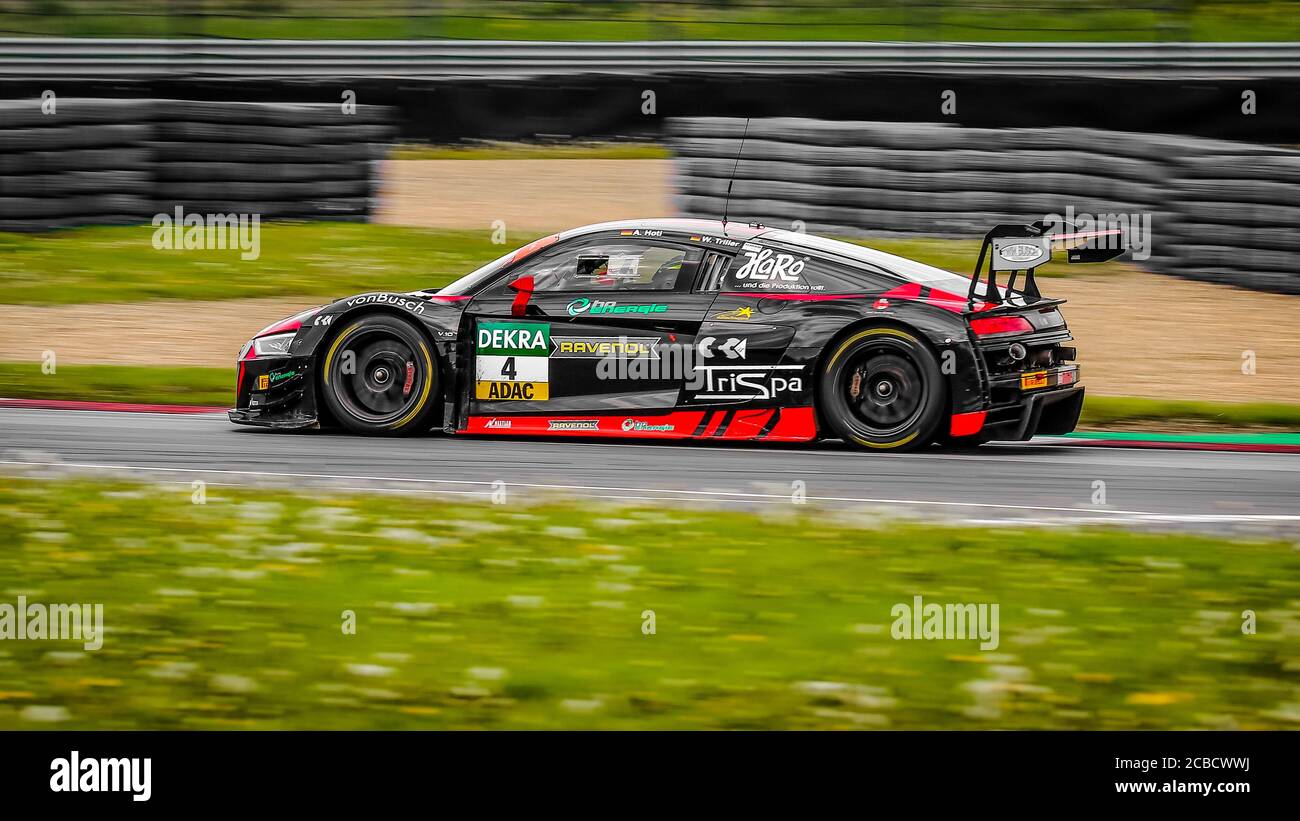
[(514, 339), (1020, 252), (762, 266), (75, 774)]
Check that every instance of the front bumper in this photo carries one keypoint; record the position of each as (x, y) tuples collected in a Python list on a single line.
[(276, 392)]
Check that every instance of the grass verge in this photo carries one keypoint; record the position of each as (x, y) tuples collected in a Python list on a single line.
[(1104, 411), (213, 387), (325, 259), (231, 613), (513, 20)]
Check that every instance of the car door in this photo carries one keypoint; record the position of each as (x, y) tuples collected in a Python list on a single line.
[(607, 328)]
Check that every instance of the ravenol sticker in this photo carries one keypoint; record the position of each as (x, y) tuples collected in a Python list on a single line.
[(598, 347)]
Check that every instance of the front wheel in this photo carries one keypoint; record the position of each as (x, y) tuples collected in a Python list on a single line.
[(379, 377), (881, 389)]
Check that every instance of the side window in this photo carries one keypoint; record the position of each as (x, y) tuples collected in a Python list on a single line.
[(609, 266), (780, 270)]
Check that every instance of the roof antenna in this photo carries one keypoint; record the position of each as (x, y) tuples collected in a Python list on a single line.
[(726, 204)]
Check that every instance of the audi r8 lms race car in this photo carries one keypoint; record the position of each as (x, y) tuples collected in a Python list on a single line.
[(691, 329)]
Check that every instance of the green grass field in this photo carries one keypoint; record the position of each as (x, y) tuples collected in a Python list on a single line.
[(230, 614), (329, 260), (120, 264), (957, 20)]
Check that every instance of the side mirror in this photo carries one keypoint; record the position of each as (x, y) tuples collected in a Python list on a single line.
[(523, 284)]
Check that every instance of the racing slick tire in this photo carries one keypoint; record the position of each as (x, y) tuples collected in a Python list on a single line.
[(388, 385), (881, 389)]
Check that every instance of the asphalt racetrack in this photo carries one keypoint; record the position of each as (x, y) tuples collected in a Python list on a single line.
[(1042, 484)]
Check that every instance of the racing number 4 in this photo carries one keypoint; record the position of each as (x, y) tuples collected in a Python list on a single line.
[(508, 370)]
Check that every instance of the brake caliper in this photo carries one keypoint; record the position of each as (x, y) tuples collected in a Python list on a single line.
[(410, 379)]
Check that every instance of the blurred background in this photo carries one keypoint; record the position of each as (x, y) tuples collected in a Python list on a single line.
[(397, 145)]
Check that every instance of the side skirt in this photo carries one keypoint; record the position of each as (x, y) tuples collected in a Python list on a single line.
[(755, 424)]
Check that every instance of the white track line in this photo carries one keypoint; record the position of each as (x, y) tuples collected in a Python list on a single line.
[(724, 494)]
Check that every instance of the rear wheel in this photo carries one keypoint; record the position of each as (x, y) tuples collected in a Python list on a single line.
[(881, 389), (379, 377)]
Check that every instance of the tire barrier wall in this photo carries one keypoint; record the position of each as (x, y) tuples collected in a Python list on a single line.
[(591, 106), (114, 162), (1219, 211)]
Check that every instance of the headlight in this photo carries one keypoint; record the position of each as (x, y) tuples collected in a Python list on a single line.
[(276, 345)]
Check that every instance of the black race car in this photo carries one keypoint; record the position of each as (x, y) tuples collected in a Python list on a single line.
[(691, 329)]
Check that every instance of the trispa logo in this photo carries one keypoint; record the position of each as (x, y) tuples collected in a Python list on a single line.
[(53, 622), (583, 305), (954, 622), (77, 774), (209, 232), (749, 382)]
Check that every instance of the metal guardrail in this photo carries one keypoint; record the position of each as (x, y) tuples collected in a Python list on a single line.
[(48, 58)]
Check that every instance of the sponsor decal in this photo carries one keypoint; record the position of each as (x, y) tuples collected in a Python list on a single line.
[(732, 348), (514, 338), (512, 361), (630, 425), (764, 266), (1066, 378), (599, 347), (750, 382), (517, 391), (263, 382), (497, 423), (749, 246), (1037, 379), (573, 424), (415, 306), (736, 315), (280, 376), (1021, 252), (583, 305), (324, 320)]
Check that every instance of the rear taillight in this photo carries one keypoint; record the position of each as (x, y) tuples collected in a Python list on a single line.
[(994, 325)]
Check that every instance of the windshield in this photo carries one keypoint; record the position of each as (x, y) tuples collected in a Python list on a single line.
[(470, 283)]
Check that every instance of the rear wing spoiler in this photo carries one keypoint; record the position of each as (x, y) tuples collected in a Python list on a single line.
[(1019, 249)]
